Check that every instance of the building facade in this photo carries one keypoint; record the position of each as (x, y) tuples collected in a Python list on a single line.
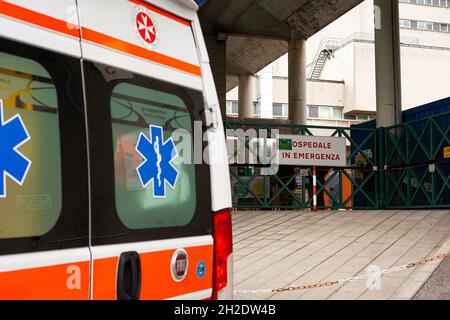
[(341, 66)]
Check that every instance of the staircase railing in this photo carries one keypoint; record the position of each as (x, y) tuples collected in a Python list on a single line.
[(331, 45), (328, 45)]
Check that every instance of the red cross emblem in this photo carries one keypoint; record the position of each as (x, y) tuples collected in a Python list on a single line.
[(146, 27)]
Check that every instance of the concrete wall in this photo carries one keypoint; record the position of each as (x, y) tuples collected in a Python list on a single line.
[(281, 67), (320, 92), (325, 93), (360, 19), (425, 75), (342, 68), (281, 90), (364, 93), (426, 13)]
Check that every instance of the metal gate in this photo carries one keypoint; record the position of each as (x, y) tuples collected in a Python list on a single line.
[(417, 168), (291, 187), (397, 167)]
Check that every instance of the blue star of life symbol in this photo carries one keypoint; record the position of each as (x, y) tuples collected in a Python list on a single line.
[(157, 167), (13, 164)]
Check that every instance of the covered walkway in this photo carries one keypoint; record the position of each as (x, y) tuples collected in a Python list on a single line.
[(274, 249)]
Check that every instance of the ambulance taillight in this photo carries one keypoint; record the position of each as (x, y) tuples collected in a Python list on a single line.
[(223, 249)]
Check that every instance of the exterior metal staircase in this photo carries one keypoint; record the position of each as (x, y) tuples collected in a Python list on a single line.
[(325, 52), (328, 46)]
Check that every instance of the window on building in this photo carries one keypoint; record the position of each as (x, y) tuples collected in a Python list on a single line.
[(232, 107), (257, 109), (349, 117), (421, 25), (434, 3), (424, 25), (444, 3), (313, 112), (425, 2), (280, 110), (405, 23), (443, 27), (325, 112), (362, 117), (358, 117), (336, 113)]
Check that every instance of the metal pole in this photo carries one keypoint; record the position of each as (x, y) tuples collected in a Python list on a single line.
[(314, 190)]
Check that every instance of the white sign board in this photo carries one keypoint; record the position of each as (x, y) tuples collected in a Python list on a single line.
[(311, 151)]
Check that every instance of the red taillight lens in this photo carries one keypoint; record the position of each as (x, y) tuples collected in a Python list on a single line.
[(223, 247)]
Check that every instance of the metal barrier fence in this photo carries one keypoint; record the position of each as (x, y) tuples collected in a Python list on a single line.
[(397, 167), (417, 173), (291, 187)]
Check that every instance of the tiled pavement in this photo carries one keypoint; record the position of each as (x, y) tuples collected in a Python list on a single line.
[(275, 249)]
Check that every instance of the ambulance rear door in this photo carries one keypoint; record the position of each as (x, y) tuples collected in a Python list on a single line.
[(151, 204), (44, 215)]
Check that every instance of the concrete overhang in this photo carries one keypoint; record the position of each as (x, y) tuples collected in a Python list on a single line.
[(258, 30)]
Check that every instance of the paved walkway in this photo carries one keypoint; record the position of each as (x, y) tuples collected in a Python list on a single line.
[(277, 249), (438, 285)]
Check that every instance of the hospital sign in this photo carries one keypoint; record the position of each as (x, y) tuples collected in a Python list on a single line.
[(311, 151)]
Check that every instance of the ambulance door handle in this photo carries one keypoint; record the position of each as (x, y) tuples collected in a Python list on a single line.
[(129, 276)]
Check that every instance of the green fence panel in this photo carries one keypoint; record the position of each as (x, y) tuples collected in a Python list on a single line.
[(416, 172), (396, 167), (288, 189)]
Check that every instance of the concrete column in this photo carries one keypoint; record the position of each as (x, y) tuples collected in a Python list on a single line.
[(217, 51), (387, 63), (297, 78), (266, 92), (245, 95)]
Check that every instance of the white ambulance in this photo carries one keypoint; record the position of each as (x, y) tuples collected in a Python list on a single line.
[(97, 199)]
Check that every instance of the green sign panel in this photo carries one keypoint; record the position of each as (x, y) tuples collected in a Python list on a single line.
[(285, 144)]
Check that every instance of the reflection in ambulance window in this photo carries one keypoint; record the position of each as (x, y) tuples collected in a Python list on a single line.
[(133, 109), (26, 89)]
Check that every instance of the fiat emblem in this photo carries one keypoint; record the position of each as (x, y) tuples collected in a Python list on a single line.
[(180, 264)]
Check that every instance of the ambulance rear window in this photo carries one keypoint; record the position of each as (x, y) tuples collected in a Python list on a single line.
[(30, 190), (164, 193)]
